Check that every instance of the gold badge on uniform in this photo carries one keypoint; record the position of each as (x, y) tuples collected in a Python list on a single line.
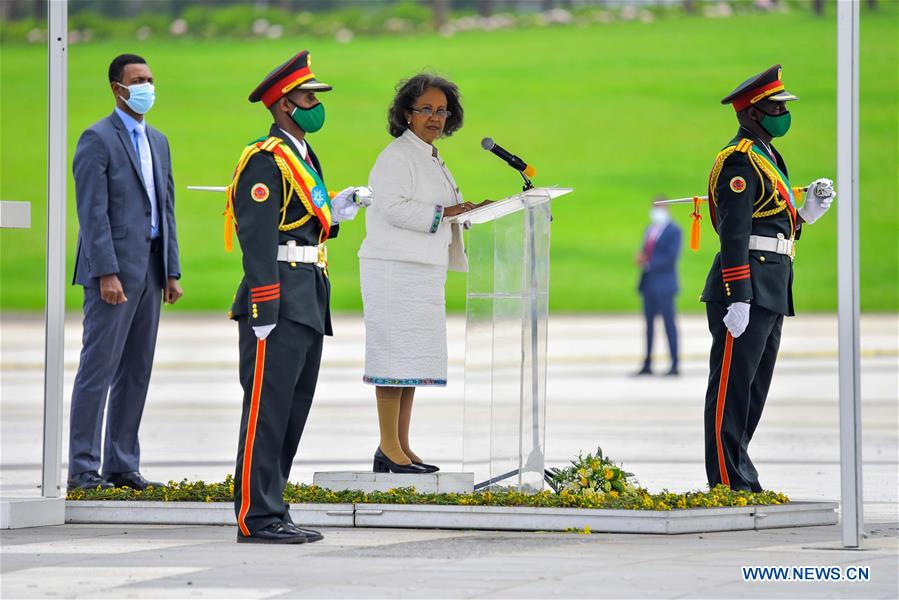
[(737, 184), (260, 192)]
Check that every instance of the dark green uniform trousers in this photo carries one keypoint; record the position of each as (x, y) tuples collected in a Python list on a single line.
[(740, 372), (278, 376)]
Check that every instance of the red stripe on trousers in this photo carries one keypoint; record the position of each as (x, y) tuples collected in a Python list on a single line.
[(719, 408), (251, 436)]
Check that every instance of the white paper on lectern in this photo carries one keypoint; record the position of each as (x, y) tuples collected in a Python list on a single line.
[(506, 206)]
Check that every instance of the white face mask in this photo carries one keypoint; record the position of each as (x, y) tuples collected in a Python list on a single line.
[(658, 215)]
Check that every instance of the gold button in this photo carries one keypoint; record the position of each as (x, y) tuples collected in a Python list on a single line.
[(230, 314), (728, 292), (254, 306), (293, 264), (762, 258)]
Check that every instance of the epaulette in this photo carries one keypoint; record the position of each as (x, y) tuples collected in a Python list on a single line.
[(743, 146), (263, 144)]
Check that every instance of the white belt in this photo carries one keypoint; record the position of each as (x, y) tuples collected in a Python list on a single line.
[(779, 245), (316, 255)]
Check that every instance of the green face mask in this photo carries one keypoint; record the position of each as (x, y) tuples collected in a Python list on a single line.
[(776, 125), (310, 120)]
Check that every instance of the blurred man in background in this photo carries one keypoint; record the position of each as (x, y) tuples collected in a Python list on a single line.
[(657, 260)]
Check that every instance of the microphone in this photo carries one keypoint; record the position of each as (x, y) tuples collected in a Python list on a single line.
[(512, 160)]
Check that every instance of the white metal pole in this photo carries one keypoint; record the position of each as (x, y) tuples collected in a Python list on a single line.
[(852, 508), (57, 17)]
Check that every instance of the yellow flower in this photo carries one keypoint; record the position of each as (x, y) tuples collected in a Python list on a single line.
[(607, 474), (741, 501)]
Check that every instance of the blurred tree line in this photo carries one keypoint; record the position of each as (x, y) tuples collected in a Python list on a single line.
[(120, 9)]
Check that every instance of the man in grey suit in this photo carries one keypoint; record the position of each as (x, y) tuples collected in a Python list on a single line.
[(127, 262)]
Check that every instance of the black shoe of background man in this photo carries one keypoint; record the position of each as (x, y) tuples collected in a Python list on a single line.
[(276, 533), (134, 480), (644, 371), (311, 534), (673, 372), (89, 480)]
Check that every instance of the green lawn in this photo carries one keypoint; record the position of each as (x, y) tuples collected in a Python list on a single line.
[(619, 112)]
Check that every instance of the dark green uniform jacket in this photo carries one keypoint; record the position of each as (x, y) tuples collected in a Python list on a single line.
[(297, 291), (740, 204)]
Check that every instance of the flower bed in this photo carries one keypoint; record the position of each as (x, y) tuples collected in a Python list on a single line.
[(591, 481), (635, 499)]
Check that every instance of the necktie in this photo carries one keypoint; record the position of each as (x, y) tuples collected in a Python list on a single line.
[(145, 157), (651, 239), (308, 160)]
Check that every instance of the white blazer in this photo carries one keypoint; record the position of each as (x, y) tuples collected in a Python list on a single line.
[(405, 220)]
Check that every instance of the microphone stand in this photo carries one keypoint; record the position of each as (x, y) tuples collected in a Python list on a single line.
[(527, 182)]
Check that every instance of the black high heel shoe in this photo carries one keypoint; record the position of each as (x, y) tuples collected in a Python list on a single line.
[(383, 464), (428, 468)]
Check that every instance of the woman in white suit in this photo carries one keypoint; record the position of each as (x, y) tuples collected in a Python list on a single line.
[(404, 259)]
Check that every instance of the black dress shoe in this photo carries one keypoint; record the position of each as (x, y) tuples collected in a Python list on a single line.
[(89, 480), (673, 372), (276, 533), (134, 480), (311, 534), (644, 371), (383, 464), (428, 468)]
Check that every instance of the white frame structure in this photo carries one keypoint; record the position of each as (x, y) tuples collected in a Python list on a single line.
[(54, 344), (851, 483), (848, 262)]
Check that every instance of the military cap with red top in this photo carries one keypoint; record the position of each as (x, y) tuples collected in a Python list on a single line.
[(764, 86), (291, 75)]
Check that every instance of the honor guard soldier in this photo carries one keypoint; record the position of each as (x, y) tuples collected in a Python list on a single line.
[(283, 215), (748, 290)]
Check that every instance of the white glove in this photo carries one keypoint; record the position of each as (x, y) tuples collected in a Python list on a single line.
[(343, 197), (262, 331), (818, 199), (363, 196), (737, 318), (346, 204), (345, 213)]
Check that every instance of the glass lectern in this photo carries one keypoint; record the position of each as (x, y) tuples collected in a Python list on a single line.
[(505, 339)]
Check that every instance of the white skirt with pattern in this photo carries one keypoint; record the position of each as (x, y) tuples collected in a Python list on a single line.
[(404, 305)]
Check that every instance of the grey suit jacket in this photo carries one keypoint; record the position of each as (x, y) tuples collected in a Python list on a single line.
[(114, 209)]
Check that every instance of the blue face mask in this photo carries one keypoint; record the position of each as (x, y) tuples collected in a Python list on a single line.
[(141, 98)]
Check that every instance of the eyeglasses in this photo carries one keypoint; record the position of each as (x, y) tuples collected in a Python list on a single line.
[(441, 113)]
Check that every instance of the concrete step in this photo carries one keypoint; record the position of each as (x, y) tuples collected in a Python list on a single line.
[(366, 481)]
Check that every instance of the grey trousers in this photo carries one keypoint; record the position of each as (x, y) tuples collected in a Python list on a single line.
[(117, 350)]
